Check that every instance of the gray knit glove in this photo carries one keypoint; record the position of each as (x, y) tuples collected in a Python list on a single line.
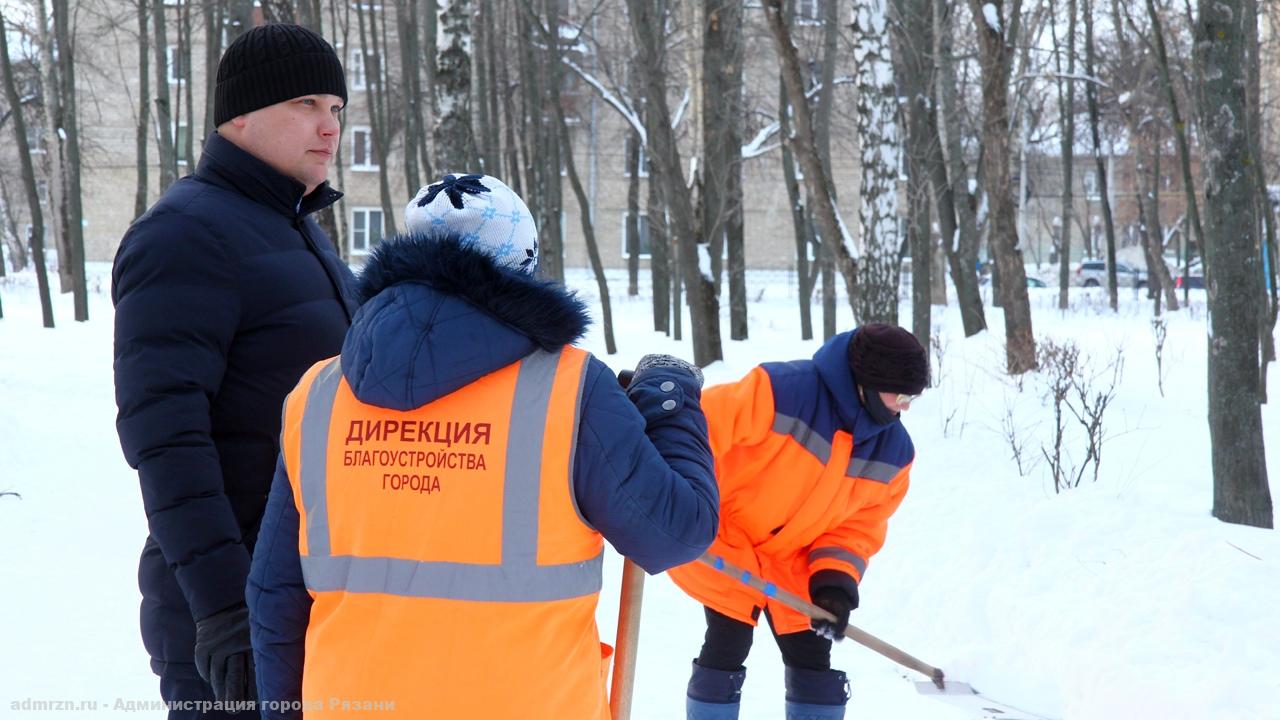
[(654, 361)]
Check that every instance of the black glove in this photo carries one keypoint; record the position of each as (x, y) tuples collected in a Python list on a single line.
[(837, 602), (224, 657), (649, 362)]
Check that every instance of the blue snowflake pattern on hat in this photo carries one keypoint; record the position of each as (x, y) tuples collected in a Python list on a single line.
[(482, 213)]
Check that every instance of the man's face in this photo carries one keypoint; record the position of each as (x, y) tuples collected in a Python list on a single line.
[(298, 137)]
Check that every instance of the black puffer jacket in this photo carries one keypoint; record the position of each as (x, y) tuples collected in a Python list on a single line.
[(225, 293)]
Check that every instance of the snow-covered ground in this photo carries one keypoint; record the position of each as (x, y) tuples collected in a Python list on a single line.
[(1122, 598)]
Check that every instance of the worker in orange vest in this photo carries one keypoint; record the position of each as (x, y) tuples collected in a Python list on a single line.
[(432, 544), (812, 459)]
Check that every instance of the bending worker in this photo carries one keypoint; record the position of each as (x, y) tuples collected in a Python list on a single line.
[(811, 459), (432, 544)]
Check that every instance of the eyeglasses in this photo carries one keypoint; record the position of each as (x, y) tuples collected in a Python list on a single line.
[(904, 400)]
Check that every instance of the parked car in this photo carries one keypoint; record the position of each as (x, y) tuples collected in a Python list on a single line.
[(1093, 273), (1035, 282), (1192, 278)]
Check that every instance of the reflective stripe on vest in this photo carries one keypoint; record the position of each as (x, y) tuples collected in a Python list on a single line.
[(517, 579)]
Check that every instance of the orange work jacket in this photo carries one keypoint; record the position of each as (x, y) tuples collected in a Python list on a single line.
[(451, 573), (791, 503)]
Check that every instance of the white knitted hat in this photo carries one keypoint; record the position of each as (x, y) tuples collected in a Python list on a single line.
[(483, 213)]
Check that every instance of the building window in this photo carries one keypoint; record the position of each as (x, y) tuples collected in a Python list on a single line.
[(42, 191), (362, 149), (174, 60), (642, 225), (35, 140), (808, 12), (359, 70), (180, 143), (366, 229), (644, 156), (1092, 188)]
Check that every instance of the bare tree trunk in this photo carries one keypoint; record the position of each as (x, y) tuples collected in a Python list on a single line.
[(509, 120), (722, 73), (1146, 183), (432, 92), (187, 149), (588, 229), (214, 14), (143, 129), (1254, 129), (704, 307), (1158, 278), (70, 130), (1020, 344), (50, 162), (954, 202), (407, 33), (1179, 127), (376, 88), (815, 175), (1091, 97), (800, 225), (240, 15), (1067, 113), (912, 33), (36, 236), (1240, 489), (633, 213), (550, 158), (164, 116), (492, 137), (660, 264), (17, 240)]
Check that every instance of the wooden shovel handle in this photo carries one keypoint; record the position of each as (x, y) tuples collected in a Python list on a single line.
[(808, 609), (628, 638)]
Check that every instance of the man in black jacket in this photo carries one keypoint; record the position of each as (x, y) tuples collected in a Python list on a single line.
[(225, 293)]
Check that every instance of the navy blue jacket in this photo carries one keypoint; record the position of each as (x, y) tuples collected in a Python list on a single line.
[(225, 293), (437, 317)]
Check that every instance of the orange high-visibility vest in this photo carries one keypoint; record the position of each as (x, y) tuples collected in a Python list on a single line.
[(451, 572)]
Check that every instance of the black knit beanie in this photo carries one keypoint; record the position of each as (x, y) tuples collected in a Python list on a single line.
[(887, 358), (273, 63)]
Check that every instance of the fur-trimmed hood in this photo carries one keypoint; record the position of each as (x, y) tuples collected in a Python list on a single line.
[(436, 315)]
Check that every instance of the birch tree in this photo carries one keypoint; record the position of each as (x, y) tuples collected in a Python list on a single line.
[(878, 133), (1240, 488), (454, 138)]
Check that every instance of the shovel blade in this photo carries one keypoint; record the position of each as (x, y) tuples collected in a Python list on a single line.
[(963, 695)]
